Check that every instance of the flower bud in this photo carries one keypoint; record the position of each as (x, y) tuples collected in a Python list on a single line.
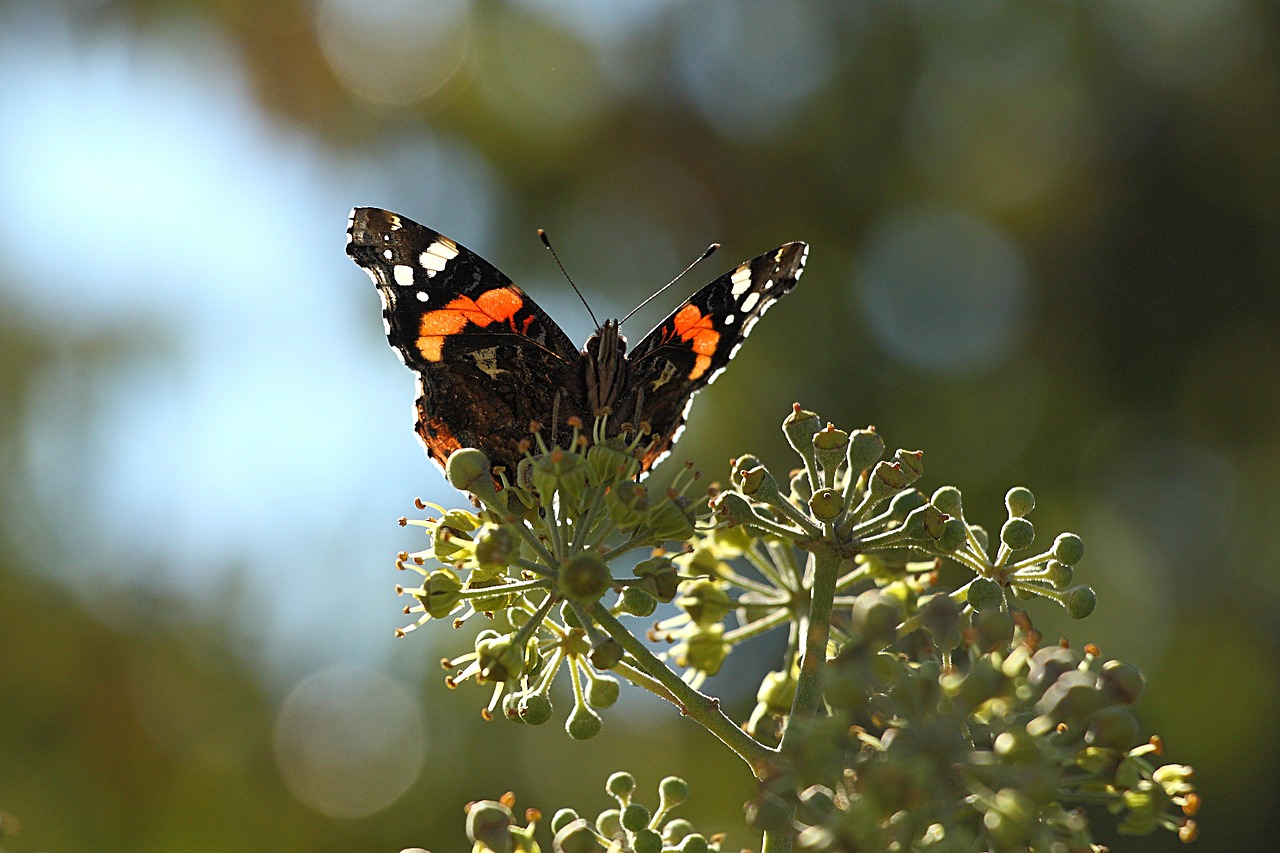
[(534, 709), (911, 462), (500, 658), (777, 692), (705, 600), (669, 520), (876, 616), (954, 536), (609, 466), (985, 594), (635, 817), (1017, 533), (1019, 501), (1113, 728), (583, 723), (1123, 681), (992, 629), (495, 546), (799, 427), (672, 791), (865, 449), (705, 649), (1080, 601), (620, 785), (1068, 549), (887, 479), (693, 843), (947, 499), (584, 578), (659, 575), (603, 691), (488, 603), (628, 504), (441, 593), (559, 471), (468, 469), (940, 616), (647, 841), (734, 508), (801, 488), (638, 601), (562, 818), (605, 655), (1058, 575), (829, 446), (826, 504)]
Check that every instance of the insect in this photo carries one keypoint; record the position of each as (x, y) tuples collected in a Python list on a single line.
[(489, 361)]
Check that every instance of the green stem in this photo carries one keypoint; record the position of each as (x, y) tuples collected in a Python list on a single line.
[(703, 709), (825, 562)]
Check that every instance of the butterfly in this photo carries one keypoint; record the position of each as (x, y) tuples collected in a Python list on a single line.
[(490, 362)]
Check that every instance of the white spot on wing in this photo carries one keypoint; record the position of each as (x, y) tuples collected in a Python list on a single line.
[(728, 319), (403, 275), (422, 296), (741, 280), (386, 253), (750, 302)]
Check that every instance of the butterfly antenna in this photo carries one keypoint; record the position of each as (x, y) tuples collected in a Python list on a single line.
[(708, 253), (546, 241)]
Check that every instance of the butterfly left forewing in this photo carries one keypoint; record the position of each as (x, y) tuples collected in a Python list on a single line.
[(688, 350)]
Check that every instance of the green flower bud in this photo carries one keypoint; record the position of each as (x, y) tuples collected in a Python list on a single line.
[(638, 601), (605, 655), (887, 479), (984, 681), (740, 466), (1080, 602), (489, 823), (647, 841), (758, 483), (800, 426), (583, 723), (947, 499), (1068, 549), (980, 533), (563, 818), (628, 504), (1058, 575), (620, 785), (569, 616), (1019, 501), (577, 837), (468, 469), (1015, 746), (610, 466), (635, 817), (727, 542), (826, 504), (1112, 728), (672, 791), (940, 616), (500, 658), (705, 600), (734, 508), (584, 578), (660, 576), (669, 520), (693, 843), (609, 823), (903, 504), (985, 594), (452, 537), (777, 692), (534, 708), (1018, 533), (705, 649), (1123, 681), (441, 593), (559, 471), (495, 546), (830, 445), (876, 616), (1011, 820), (954, 536), (911, 462), (865, 449)]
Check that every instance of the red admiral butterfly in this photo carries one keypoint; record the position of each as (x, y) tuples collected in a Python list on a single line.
[(490, 361)]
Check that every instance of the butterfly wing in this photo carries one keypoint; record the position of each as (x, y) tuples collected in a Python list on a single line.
[(488, 359), (688, 350)]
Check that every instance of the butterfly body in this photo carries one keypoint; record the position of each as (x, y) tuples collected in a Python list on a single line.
[(489, 361)]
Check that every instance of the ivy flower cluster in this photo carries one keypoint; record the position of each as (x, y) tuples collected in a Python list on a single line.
[(902, 714)]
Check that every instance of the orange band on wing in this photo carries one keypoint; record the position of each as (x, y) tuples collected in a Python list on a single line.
[(492, 306), (696, 328)]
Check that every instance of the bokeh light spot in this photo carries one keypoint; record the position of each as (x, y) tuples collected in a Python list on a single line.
[(394, 53), (349, 741), (944, 291)]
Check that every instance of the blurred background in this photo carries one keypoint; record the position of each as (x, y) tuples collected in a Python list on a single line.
[(1045, 248)]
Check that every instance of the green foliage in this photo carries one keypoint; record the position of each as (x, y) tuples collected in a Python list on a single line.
[(904, 714)]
